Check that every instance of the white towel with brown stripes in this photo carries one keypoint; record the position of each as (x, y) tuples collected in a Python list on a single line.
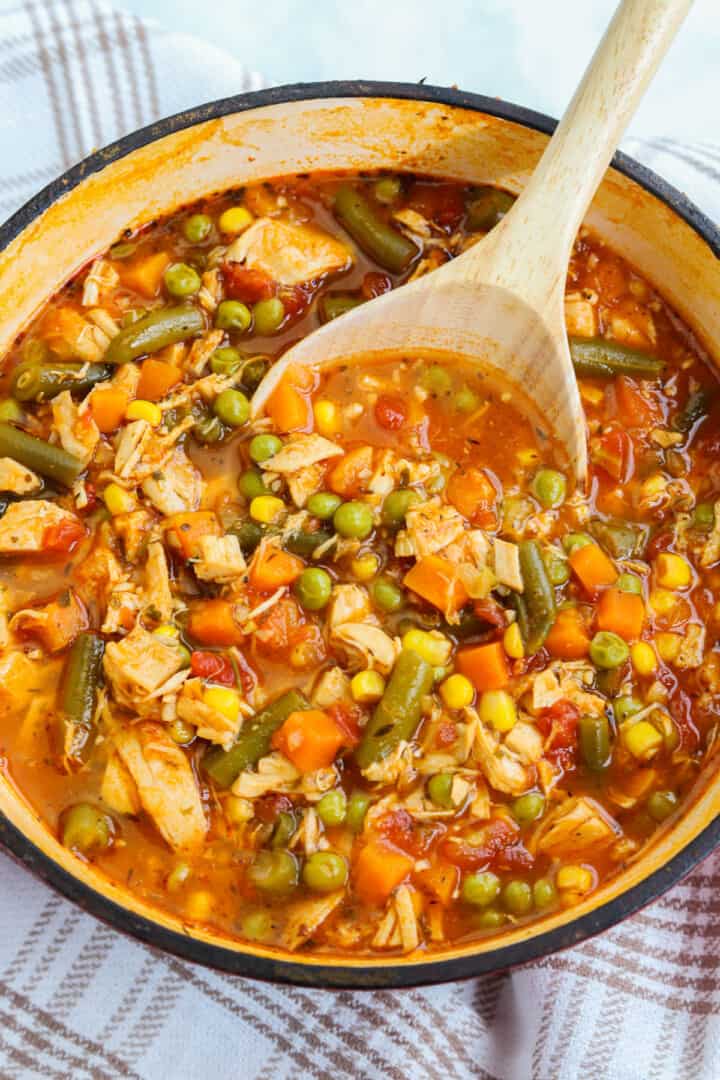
[(77, 1000)]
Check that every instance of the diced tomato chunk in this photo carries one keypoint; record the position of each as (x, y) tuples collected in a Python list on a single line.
[(64, 537), (390, 412), (213, 667), (242, 283)]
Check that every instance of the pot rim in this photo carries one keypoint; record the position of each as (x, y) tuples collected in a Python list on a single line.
[(339, 975)]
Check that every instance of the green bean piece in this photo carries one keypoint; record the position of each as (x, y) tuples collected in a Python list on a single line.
[(538, 595), (608, 650), (224, 766), (50, 461), (488, 206), (154, 331), (386, 245), (696, 407), (387, 189), (572, 541), (85, 828), (284, 828), (253, 372), (41, 382), (398, 712), (333, 305), (704, 516), (305, 543), (624, 707), (11, 411), (619, 539), (595, 742), (601, 359), (249, 535), (80, 682)]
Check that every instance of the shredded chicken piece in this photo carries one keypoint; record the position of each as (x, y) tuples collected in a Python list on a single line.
[(711, 548), (507, 564), (692, 648), (78, 431), (118, 789), (431, 526), (54, 625), (211, 724), (133, 529), (141, 669), (176, 486), (102, 275), (202, 349), (289, 253), (274, 773), (348, 603), (305, 482), (158, 594), (399, 926), (303, 919), (221, 559), (577, 826), (332, 686), (165, 783), (211, 291), (16, 478), (580, 316), (301, 451), (374, 648), (502, 768), (24, 524)]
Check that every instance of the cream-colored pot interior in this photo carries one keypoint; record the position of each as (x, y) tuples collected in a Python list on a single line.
[(332, 134)]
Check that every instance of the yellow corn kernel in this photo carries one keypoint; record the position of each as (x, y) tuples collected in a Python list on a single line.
[(528, 457), (367, 686), (433, 646), (663, 601), (167, 630), (144, 410), (365, 567), (223, 700), (457, 692), (668, 646), (238, 810), (118, 500), (592, 394), (266, 509), (235, 220), (513, 642), (498, 710), (328, 419), (643, 658), (199, 904), (642, 739), (673, 572), (654, 486), (577, 878)]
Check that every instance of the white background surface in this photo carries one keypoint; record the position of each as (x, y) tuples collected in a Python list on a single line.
[(531, 52)]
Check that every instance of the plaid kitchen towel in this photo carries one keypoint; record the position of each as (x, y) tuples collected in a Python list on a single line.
[(77, 1000)]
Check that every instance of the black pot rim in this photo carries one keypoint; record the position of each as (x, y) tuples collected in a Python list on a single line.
[(338, 975)]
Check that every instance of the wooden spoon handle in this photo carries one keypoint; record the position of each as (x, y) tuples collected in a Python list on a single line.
[(542, 226)]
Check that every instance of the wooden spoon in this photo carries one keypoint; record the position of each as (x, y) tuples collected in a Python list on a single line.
[(500, 304)]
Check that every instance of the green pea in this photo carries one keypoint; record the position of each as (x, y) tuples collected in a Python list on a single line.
[(573, 541), (353, 520), (263, 447), (544, 893), (439, 789), (253, 372), (250, 485), (233, 315), (396, 506), (387, 189), (624, 707), (629, 583), (325, 872), (332, 807), (225, 361), (528, 807), (249, 535), (436, 380), (268, 315), (197, 228), (608, 650), (181, 732), (550, 487), (704, 516), (357, 808), (490, 919), (181, 280), (516, 511), (661, 804), (209, 430), (466, 400), (313, 588), (256, 926), (323, 504), (85, 828), (274, 872), (557, 568), (284, 828), (386, 595), (480, 889), (10, 411), (232, 407), (517, 897)]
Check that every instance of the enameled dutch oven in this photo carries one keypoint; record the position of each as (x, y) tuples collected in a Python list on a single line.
[(359, 126)]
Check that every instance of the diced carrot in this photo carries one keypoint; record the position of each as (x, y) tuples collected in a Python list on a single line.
[(289, 405), (379, 868), (145, 275), (436, 580), (593, 568), (156, 378), (634, 408), (211, 622), (568, 639), (185, 530), (486, 666), (64, 329), (271, 568), (353, 471), (57, 624), (622, 613), (310, 739), (640, 783), (108, 405), (613, 452), (473, 494), (441, 881)]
